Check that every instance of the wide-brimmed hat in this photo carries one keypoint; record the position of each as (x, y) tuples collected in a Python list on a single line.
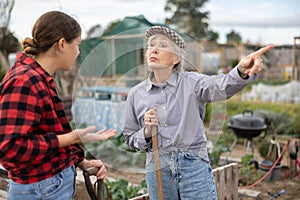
[(175, 37)]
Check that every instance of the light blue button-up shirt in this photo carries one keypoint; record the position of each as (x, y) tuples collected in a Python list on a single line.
[(180, 103)]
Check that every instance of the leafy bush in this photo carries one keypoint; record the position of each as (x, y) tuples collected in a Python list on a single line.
[(121, 189), (264, 148), (248, 173), (214, 154)]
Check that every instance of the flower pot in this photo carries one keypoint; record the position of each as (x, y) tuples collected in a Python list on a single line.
[(265, 166)]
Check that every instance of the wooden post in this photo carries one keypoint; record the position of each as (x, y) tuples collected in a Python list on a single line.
[(292, 164), (294, 61)]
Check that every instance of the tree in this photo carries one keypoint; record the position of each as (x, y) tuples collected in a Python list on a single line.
[(233, 37), (189, 18), (8, 42), (212, 36), (95, 31), (112, 25)]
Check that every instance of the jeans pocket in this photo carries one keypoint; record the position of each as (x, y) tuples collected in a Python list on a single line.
[(19, 189), (190, 156), (51, 186)]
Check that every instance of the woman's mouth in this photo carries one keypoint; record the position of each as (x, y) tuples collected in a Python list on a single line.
[(153, 59)]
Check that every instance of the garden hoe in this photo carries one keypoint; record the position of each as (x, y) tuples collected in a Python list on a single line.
[(96, 190)]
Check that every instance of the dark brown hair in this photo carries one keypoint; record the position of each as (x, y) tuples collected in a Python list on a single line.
[(48, 29)]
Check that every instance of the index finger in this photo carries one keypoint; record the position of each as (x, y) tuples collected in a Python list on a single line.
[(262, 50)]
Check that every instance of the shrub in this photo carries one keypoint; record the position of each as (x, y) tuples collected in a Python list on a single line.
[(248, 173), (121, 189)]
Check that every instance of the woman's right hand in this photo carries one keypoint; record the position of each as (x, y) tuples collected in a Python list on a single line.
[(87, 134), (150, 119)]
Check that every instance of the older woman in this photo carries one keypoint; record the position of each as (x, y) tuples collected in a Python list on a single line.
[(175, 101)]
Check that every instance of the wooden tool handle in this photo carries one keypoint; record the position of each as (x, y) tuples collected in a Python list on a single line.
[(95, 193), (154, 131)]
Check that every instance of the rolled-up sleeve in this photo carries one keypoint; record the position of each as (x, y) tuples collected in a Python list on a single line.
[(218, 87)]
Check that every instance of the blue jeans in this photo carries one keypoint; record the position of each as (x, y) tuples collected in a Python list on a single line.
[(58, 187), (184, 175)]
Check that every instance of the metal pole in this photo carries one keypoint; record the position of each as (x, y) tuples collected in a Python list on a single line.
[(157, 162)]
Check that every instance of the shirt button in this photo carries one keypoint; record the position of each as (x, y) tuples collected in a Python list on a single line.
[(162, 91), (168, 141), (164, 108), (166, 124)]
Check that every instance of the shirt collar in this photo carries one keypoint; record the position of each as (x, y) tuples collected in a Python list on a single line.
[(29, 61), (172, 80)]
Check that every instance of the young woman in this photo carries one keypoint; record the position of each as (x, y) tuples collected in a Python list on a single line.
[(175, 101), (37, 145)]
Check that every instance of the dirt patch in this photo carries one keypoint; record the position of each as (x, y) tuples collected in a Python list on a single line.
[(269, 190), (290, 187)]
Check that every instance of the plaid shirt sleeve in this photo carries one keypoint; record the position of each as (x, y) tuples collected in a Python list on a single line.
[(20, 107)]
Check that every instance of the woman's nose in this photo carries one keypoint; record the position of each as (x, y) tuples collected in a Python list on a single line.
[(154, 49)]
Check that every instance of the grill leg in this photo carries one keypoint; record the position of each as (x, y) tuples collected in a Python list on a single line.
[(250, 144), (230, 149)]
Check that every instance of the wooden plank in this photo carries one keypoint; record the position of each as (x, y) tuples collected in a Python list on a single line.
[(142, 197), (221, 185), (249, 193)]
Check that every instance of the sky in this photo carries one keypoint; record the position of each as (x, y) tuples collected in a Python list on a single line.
[(258, 21)]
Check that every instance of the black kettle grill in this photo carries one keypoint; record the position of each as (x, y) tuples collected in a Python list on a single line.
[(246, 125)]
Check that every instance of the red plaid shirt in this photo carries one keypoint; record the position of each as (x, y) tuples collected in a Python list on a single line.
[(31, 117)]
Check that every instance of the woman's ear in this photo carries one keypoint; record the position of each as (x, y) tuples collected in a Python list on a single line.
[(176, 59), (61, 45)]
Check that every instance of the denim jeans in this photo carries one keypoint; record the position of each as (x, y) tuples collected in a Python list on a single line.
[(184, 175), (58, 187)]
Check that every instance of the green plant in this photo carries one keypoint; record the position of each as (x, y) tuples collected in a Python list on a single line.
[(248, 173), (285, 129), (264, 148), (121, 189), (296, 125), (215, 153)]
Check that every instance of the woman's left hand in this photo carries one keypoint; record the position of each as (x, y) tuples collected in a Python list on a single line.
[(85, 164)]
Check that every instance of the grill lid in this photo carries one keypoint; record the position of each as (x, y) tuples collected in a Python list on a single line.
[(247, 121)]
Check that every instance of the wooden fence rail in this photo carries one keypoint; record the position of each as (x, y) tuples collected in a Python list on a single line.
[(226, 179)]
